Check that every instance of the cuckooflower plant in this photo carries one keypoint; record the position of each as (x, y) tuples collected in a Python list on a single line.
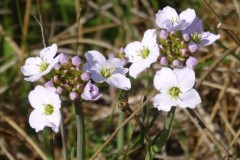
[(46, 103), (169, 19), (176, 89), (36, 67), (110, 71), (142, 54)]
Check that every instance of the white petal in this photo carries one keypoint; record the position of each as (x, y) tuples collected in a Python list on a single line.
[(163, 102), (187, 18), (54, 120), (34, 95), (37, 120), (119, 81), (189, 99), (194, 27), (186, 78), (48, 53), (132, 51), (208, 38), (96, 76), (136, 68), (150, 38), (31, 66), (34, 77), (115, 62), (51, 65), (164, 80), (153, 55), (95, 57), (164, 18)]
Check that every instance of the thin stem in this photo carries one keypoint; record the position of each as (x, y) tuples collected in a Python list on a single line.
[(80, 130), (64, 145)]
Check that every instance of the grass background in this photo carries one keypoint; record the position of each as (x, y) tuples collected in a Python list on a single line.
[(107, 26)]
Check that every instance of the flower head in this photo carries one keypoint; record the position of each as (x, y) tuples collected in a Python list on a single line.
[(169, 19), (91, 92), (176, 89), (36, 67), (110, 71), (46, 103), (198, 36), (142, 54)]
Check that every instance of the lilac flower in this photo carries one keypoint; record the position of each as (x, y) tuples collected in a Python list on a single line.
[(85, 76), (142, 54), (169, 19), (73, 96), (110, 71), (91, 92), (176, 89), (198, 36), (46, 103), (76, 61), (63, 58), (36, 67)]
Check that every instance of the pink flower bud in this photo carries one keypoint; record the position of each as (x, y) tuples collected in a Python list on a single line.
[(59, 90), (184, 52), (91, 92), (164, 61), (76, 61), (176, 63), (191, 62), (73, 96), (85, 76), (49, 84), (57, 67), (163, 34), (193, 47), (186, 37), (63, 58)]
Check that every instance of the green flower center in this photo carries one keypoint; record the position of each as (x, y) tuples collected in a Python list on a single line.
[(196, 38), (48, 109), (106, 72), (43, 66), (144, 52), (174, 92)]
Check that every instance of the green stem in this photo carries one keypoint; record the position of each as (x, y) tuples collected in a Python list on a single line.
[(65, 153), (80, 130)]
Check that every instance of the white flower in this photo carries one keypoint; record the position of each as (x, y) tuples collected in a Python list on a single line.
[(46, 103), (36, 67), (198, 36), (142, 54), (110, 71), (168, 19), (176, 89)]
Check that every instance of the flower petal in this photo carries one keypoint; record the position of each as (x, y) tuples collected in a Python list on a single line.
[(34, 97), (136, 68), (189, 99), (48, 53), (164, 79), (194, 27), (185, 78), (54, 120), (119, 81), (31, 66), (163, 102), (150, 38), (208, 38), (132, 51), (37, 120), (95, 57), (186, 18)]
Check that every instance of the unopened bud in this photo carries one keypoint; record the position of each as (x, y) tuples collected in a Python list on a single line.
[(186, 37), (163, 34), (76, 61), (184, 52), (73, 96), (49, 83), (59, 90), (164, 61), (63, 58), (191, 62), (193, 47), (176, 63), (85, 76)]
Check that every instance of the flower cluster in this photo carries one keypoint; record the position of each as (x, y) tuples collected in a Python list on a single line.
[(67, 75), (175, 44)]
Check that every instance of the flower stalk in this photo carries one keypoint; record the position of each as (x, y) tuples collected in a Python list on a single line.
[(80, 130)]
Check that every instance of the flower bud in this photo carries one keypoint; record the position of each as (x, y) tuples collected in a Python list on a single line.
[(57, 67), (63, 58), (73, 96), (164, 61), (163, 34), (85, 76), (59, 90), (76, 61), (193, 47), (57, 79), (49, 84), (186, 37), (91, 92), (191, 62), (184, 52), (176, 63)]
